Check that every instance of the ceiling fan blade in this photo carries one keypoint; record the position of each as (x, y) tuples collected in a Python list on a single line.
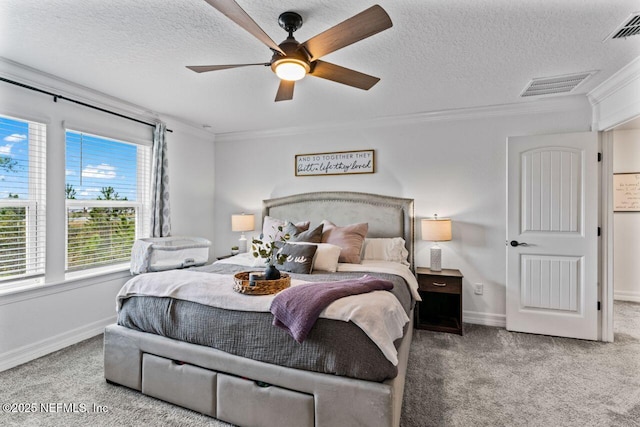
[(346, 76), (233, 11), (285, 90), (356, 28), (205, 68)]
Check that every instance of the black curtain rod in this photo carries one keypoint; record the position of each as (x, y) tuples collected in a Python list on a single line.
[(75, 101)]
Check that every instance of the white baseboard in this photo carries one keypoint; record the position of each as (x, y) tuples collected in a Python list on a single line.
[(632, 296), (38, 349), (487, 319)]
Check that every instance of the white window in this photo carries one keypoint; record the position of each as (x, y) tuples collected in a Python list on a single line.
[(22, 199), (107, 198)]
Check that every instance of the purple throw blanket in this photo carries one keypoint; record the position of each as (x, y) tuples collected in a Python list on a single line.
[(296, 309)]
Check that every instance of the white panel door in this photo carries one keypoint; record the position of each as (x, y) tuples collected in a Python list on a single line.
[(552, 243)]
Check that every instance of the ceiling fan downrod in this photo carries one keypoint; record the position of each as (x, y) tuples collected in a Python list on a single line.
[(290, 22)]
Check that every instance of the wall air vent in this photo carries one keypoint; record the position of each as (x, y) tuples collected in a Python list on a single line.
[(554, 85), (629, 27)]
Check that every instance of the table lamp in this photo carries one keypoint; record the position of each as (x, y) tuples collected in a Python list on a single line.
[(436, 230), (242, 222)]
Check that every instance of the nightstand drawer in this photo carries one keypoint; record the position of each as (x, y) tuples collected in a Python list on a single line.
[(441, 305), (452, 285)]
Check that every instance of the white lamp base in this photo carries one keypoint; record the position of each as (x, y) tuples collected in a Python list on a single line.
[(242, 244), (436, 258)]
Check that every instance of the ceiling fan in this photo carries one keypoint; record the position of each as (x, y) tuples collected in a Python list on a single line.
[(291, 60)]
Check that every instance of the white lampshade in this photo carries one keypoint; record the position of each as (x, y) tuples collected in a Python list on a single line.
[(243, 222), (436, 230)]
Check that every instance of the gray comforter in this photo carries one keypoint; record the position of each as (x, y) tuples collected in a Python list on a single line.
[(332, 346)]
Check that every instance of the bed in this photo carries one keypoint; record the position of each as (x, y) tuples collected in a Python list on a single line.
[(245, 382)]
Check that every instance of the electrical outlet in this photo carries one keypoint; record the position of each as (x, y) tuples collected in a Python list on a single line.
[(478, 288)]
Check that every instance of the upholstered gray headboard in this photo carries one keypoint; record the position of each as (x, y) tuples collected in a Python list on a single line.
[(387, 216)]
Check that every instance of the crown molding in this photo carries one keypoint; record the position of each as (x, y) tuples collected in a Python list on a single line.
[(615, 83), (48, 82), (551, 105), (184, 126), (32, 77), (617, 99)]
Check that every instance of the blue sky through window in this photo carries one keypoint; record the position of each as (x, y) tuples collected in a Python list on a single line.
[(92, 163), (14, 158)]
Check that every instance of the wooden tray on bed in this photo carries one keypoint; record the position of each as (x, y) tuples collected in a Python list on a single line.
[(262, 287)]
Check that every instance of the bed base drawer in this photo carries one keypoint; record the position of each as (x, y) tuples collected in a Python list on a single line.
[(236, 400), (179, 383), (248, 403)]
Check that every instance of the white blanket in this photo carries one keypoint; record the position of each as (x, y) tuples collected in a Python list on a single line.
[(216, 290), (140, 256), (386, 267), (374, 266)]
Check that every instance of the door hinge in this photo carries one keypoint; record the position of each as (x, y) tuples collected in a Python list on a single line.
[(599, 231), (599, 157), (598, 305)]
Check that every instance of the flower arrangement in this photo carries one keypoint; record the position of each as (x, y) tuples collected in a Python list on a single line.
[(269, 250)]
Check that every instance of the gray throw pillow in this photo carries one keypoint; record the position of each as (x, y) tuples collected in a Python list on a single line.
[(299, 258), (298, 235)]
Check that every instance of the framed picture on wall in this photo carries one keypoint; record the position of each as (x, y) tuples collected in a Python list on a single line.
[(626, 192), (335, 163)]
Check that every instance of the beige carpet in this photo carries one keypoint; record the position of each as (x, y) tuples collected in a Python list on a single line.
[(491, 377), (488, 377)]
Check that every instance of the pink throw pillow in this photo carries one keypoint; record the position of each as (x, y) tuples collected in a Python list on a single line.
[(350, 238)]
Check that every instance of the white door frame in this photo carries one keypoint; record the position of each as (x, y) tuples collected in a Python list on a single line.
[(613, 102), (606, 242)]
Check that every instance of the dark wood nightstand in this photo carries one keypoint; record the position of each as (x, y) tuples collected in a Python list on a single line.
[(441, 306)]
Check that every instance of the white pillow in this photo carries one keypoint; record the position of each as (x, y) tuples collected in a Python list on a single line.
[(326, 258), (270, 232), (386, 249)]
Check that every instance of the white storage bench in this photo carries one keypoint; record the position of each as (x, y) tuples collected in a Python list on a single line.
[(168, 253)]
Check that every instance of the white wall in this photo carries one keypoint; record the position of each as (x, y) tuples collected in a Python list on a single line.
[(626, 225), (38, 321), (191, 181), (452, 164)]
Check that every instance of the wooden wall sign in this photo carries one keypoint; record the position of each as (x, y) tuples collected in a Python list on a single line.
[(337, 163)]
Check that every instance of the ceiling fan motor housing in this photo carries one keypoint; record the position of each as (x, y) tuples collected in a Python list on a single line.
[(292, 54)]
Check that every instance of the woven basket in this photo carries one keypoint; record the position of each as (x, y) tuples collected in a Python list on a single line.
[(262, 287)]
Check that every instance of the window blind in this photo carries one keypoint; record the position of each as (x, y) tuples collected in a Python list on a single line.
[(22, 198), (107, 187), (100, 234)]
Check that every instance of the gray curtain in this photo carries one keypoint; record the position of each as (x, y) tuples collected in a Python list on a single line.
[(160, 219)]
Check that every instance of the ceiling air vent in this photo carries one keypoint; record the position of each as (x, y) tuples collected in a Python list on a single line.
[(630, 27), (554, 85)]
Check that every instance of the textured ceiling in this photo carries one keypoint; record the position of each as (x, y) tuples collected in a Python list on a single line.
[(439, 54)]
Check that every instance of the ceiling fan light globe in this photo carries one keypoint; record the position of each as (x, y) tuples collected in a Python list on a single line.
[(291, 70)]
